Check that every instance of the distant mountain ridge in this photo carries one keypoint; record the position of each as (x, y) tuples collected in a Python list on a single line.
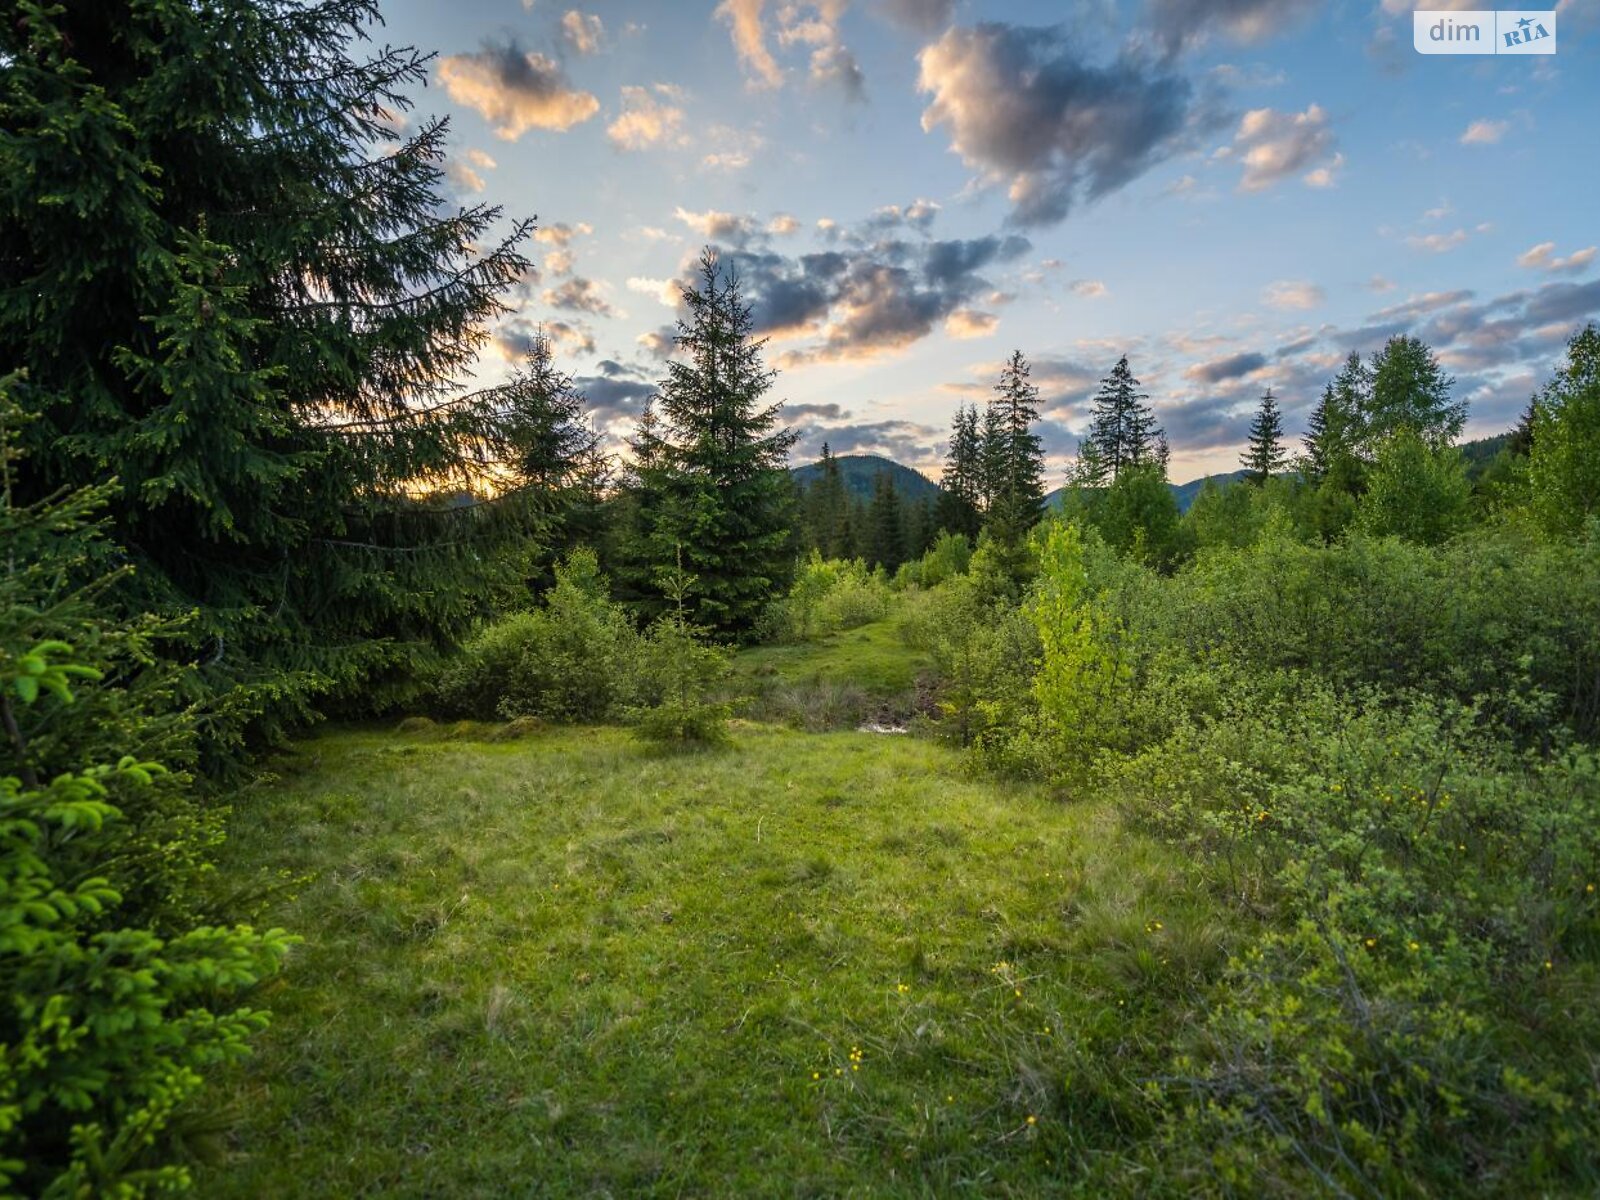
[(860, 474)]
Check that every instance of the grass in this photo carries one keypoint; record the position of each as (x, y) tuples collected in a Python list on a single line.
[(837, 681), (808, 964), (872, 657)]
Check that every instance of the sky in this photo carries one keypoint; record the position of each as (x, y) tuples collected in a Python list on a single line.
[(1233, 193)]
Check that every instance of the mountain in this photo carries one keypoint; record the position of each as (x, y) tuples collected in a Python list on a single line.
[(1183, 493), (860, 473)]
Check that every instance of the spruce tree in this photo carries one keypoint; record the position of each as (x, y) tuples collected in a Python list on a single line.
[(887, 538), (1018, 498), (549, 444), (239, 292), (1266, 453), (960, 491), (829, 508), (1124, 429), (992, 452), (726, 502)]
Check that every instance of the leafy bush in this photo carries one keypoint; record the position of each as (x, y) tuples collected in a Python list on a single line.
[(1415, 491), (572, 659), (948, 557), (1410, 1015), (829, 596)]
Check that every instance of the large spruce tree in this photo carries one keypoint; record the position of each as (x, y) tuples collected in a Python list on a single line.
[(238, 291), (719, 474), (1265, 453), (1017, 498)]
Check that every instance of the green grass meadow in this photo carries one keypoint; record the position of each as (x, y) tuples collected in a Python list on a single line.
[(804, 964)]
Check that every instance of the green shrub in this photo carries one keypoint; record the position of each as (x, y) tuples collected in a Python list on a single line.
[(1415, 491), (948, 557), (828, 596), (572, 659), (1411, 1014)]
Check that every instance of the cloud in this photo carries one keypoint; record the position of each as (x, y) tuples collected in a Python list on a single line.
[(561, 234), (646, 121), (585, 33), (578, 294), (718, 226), (1438, 243), (558, 262), (667, 291), (1542, 258), (513, 339), (1379, 284), (1180, 23), (616, 392), (836, 66), (819, 412), (1484, 133), (1292, 294), (1274, 145), (463, 176), (750, 41), (515, 91), (869, 296), (966, 323), (1090, 289), (1022, 107), (782, 225), (658, 343), (924, 17), (906, 442), (730, 149), (1234, 366)]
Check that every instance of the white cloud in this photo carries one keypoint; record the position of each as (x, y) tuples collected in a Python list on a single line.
[(1484, 133), (646, 121), (1293, 294), (584, 32), (515, 91), (1543, 258)]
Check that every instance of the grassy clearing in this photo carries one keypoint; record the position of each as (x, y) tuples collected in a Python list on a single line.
[(836, 681), (806, 964)]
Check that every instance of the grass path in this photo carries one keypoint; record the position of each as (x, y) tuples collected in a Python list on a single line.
[(808, 964)]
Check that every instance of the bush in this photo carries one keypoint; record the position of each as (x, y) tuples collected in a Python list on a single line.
[(1409, 1015), (572, 659), (1415, 491), (948, 557), (829, 596)]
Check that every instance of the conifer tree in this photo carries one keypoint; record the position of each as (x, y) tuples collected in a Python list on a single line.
[(1265, 454), (239, 291), (1018, 495), (991, 457), (828, 507), (550, 445), (725, 497), (1334, 427), (1124, 429), (887, 538), (960, 491)]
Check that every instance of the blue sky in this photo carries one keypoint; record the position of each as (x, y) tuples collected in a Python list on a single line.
[(1234, 193)]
